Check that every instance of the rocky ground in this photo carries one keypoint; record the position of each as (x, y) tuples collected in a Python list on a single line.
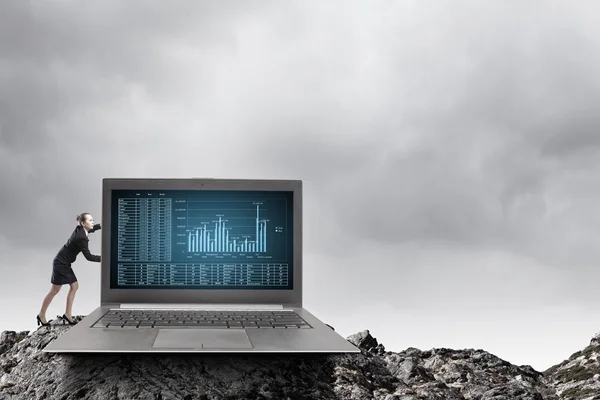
[(578, 377), (28, 373)]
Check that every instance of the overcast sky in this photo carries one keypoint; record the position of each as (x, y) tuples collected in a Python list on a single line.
[(449, 151)]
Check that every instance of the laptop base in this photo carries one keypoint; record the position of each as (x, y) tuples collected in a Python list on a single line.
[(82, 338)]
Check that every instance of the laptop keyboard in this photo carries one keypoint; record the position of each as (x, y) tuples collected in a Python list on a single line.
[(128, 319)]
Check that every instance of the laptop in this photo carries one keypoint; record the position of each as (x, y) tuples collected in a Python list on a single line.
[(201, 265)]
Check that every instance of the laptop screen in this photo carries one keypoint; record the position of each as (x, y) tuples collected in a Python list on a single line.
[(201, 239)]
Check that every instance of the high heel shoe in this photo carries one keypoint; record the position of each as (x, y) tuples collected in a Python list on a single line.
[(39, 321), (64, 318)]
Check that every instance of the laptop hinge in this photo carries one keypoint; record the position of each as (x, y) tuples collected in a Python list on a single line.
[(163, 306)]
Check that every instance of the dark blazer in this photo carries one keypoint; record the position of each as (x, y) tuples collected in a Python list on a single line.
[(77, 243)]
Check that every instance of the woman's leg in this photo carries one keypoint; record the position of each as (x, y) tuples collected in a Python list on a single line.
[(71, 297), (47, 300)]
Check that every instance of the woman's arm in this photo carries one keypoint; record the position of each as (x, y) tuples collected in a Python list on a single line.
[(83, 245)]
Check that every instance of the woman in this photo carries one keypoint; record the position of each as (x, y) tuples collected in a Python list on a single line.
[(62, 273)]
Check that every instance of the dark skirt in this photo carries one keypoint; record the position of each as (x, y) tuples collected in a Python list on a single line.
[(62, 274)]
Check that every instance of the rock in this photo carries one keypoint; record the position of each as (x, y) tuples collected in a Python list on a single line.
[(365, 341), (9, 338), (577, 377), (412, 374)]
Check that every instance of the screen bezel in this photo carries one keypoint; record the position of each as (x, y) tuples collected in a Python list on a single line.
[(287, 297)]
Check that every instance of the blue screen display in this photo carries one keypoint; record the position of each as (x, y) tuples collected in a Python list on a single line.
[(201, 239)]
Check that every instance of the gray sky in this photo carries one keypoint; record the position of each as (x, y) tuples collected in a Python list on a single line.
[(450, 151)]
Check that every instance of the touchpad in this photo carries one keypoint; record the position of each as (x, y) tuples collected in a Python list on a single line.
[(202, 339)]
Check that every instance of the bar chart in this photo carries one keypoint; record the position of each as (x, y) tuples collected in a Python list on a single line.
[(219, 236)]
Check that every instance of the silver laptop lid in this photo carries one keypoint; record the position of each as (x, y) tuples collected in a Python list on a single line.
[(207, 241)]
